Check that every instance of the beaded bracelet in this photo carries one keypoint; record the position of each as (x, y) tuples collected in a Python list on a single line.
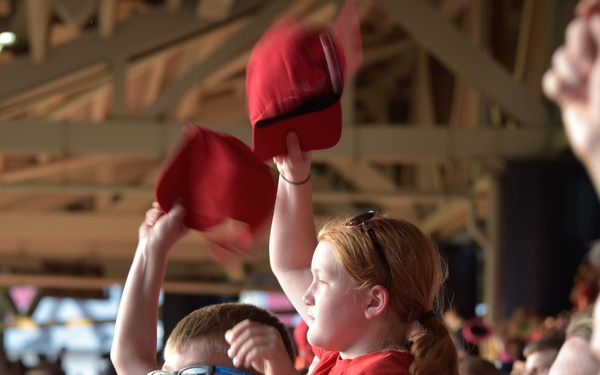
[(296, 183)]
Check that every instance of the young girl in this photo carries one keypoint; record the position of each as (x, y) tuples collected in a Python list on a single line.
[(368, 288)]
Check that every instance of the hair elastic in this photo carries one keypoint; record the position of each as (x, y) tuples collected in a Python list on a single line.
[(425, 317), (295, 183)]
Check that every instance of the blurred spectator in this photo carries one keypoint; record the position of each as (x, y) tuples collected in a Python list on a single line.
[(8, 367), (585, 286), (512, 355), (5, 364), (48, 367), (540, 354), (575, 356), (473, 365)]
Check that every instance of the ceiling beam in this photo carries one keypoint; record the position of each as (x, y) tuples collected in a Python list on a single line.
[(59, 168), (536, 43), (156, 65), (98, 237), (448, 218), (374, 142), (219, 57), (397, 196), (157, 28), (107, 14), (451, 47), (38, 17), (214, 9)]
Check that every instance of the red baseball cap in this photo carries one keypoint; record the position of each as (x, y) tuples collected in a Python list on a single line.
[(294, 80), (216, 177)]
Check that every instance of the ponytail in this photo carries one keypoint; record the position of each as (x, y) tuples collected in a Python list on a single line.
[(434, 351)]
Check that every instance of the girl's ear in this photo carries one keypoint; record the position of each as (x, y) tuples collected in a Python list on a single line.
[(377, 299)]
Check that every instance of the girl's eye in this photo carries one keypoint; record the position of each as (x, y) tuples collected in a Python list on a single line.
[(317, 279)]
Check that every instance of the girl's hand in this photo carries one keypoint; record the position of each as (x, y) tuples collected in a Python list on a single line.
[(295, 166)]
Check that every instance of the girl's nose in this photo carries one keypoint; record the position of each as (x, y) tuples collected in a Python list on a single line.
[(307, 297)]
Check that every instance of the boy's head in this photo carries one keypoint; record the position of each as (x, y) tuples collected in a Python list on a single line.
[(199, 338)]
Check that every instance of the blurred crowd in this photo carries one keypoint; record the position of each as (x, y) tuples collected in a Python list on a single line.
[(529, 343)]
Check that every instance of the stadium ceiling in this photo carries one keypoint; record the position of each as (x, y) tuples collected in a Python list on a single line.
[(94, 92)]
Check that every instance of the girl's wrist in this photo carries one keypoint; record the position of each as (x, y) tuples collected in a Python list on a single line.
[(294, 182)]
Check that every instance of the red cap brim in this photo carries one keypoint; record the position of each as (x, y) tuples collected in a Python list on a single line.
[(270, 140)]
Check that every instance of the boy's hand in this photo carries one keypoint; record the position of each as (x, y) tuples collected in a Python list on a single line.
[(259, 346), (163, 230)]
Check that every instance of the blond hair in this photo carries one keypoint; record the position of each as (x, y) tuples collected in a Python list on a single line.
[(418, 273)]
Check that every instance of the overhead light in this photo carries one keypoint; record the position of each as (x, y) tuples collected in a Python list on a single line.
[(7, 38)]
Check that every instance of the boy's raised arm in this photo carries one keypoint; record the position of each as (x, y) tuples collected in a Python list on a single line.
[(134, 345)]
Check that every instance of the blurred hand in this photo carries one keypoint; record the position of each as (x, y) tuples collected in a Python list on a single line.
[(259, 346), (573, 82), (230, 243), (587, 8)]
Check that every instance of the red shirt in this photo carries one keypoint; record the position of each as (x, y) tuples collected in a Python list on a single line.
[(377, 363)]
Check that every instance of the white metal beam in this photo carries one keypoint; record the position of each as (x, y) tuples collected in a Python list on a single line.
[(228, 50), (375, 142), (214, 9), (83, 236), (64, 167), (107, 18), (38, 17), (155, 29)]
